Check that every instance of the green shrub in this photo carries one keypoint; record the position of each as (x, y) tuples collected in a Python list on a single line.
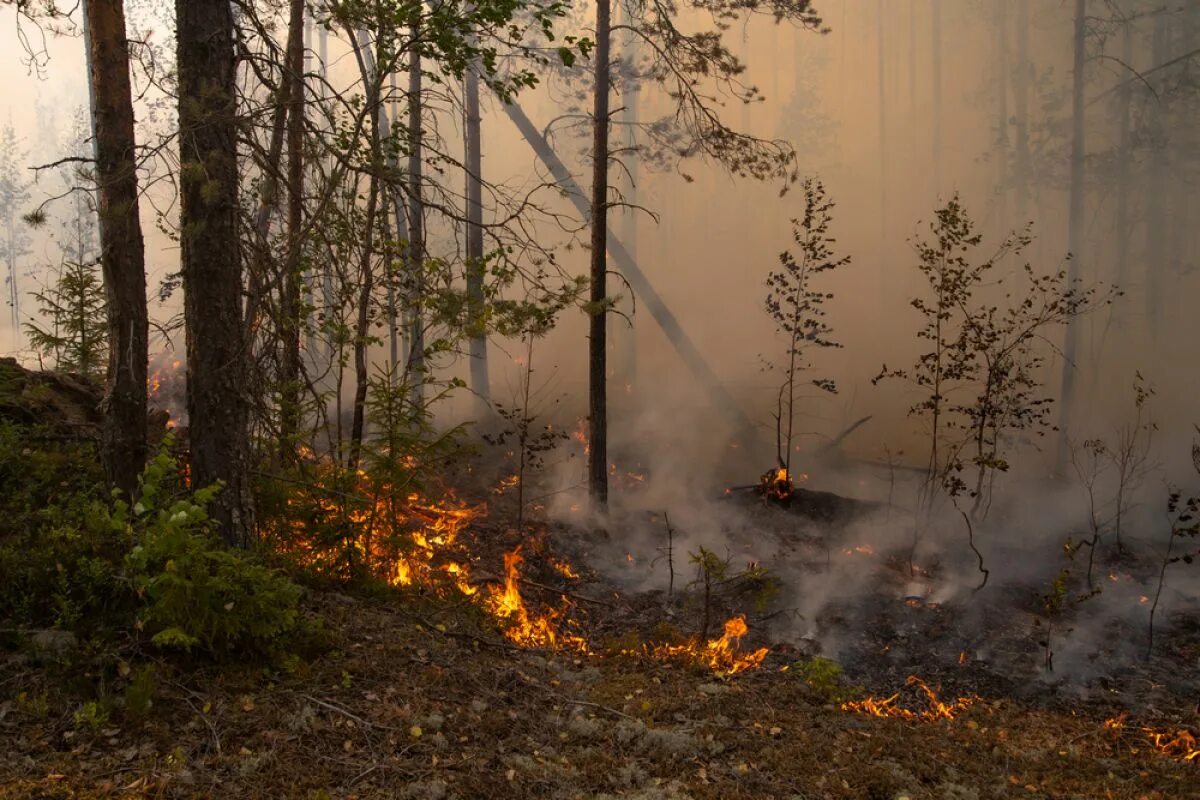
[(824, 676), (98, 565), (195, 592)]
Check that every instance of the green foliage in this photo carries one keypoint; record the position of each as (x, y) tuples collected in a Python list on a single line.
[(194, 592), (75, 334), (797, 308), (824, 676), (92, 716), (139, 694), (105, 568)]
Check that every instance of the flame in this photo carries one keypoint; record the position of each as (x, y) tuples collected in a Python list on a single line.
[(522, 627), (410, 540), (507, 483), (935, 709), (580, 434), (722, 655), (1179, 743), (777, 484), (564, 569)]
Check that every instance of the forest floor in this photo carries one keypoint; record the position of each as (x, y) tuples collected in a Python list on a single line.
[(424, 699)]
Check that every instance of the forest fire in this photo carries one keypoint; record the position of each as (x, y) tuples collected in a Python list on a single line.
[(777, 484), (935, 708), (522, 627), (1180, 744), (723, 655)]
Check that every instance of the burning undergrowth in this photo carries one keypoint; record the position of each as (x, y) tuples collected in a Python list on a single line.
[(451, 549)]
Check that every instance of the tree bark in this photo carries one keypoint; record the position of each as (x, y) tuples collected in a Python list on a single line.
[(475, 266), (416, 226), (936, 138), (1075, 232), (597, 346), (289, 377), (1024, 78), (122, 256), (217, 395)]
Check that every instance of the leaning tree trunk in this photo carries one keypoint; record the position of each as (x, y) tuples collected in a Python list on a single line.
[(1075, 234), (597, 354), (122, 252), (217, 357), (289, 307)]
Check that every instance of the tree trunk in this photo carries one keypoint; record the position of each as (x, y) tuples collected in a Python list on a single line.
[(1002, 187), (289, 377), (1075, 233), (217, 352), (122, 256), (1024, 78), (366, 272), (936, 138), (1157, 180), (597, 353), (1124, 224), (648, 296), (881, 68), (475, 265), (416, 228)]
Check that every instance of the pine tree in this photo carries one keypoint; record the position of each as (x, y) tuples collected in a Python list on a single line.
[(75, 334)]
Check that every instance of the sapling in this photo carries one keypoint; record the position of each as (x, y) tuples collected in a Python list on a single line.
[(797, 308), (1184, 514), (532, 442)]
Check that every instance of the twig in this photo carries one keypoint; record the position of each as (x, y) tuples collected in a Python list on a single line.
[(345, 713)]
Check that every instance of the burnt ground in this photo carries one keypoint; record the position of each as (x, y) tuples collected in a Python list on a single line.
[(420, 697), (419, 700)]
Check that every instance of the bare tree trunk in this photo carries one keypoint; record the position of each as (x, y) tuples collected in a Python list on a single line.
[(881, 75), (475, 266), (597, 352), (416, 227), (290, 306), (218, 401), (366, 272), (1156, 192), (936, 138), (1124, 158), (619, 329), (1002, 113), (122, 251), (1024, 78), (1075, 233)]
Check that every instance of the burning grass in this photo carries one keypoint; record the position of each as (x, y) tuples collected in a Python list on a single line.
[(1180, 744), (935, 708)]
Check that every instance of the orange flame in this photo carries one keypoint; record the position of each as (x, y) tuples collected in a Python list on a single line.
[(722, 655), (889, 707), (1179, 743)]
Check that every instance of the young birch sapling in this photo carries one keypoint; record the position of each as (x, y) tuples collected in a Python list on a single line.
[(798, 310)]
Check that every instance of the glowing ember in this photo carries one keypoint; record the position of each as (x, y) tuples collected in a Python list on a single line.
[(1179, 744), (564, 569), (889, 707), (777, 484)]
